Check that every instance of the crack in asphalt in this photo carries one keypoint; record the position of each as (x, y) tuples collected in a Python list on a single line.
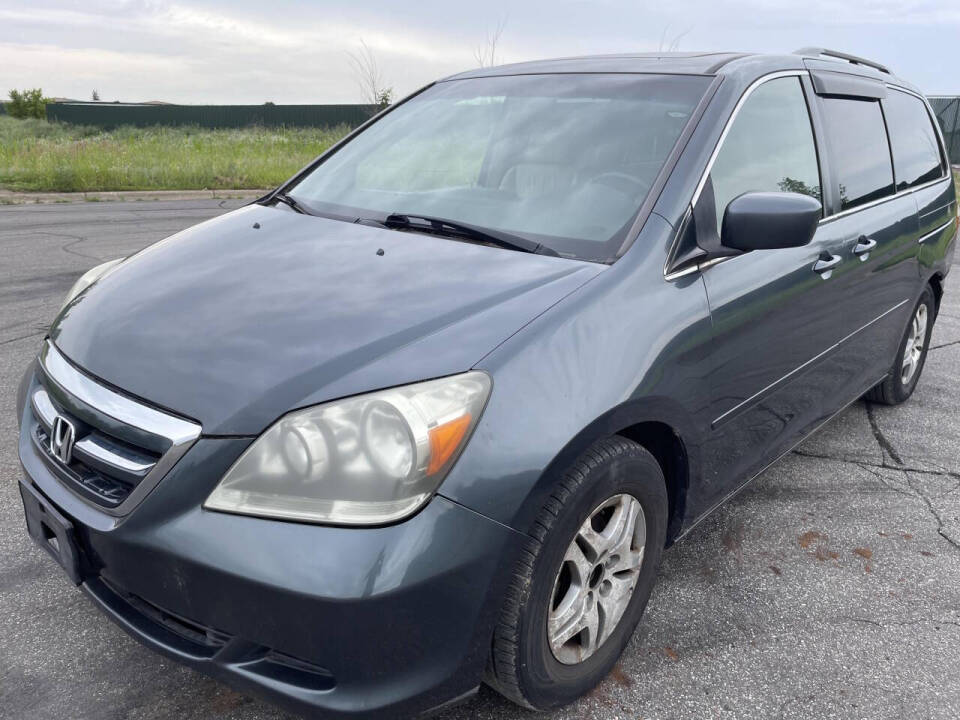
[(943, 345), (22, 337), (30, 321), (901, 623), (885, 445), (933, 511), (943, 472), (885, 481), (888, 450), (68, 248), (71, 241), (916, 494)]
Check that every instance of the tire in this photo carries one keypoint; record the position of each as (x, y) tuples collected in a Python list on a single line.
[(523, 665), (895, 388)]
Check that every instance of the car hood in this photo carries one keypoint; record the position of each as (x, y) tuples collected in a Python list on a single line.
[(244, 317)]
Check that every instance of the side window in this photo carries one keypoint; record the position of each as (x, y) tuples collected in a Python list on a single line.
[(769, 147), (860, 151), (916, 149)]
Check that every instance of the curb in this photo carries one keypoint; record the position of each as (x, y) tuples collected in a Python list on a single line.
[(8, 197)]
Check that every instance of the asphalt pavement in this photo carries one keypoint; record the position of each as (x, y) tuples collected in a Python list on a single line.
[(830, 588)]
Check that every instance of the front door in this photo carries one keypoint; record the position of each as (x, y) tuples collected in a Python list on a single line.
[(778, 315)]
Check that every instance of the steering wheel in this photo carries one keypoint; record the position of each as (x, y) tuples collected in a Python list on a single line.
[(621, 182)]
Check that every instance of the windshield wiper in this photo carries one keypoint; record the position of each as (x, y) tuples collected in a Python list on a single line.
[(291, 203), (454, 228)]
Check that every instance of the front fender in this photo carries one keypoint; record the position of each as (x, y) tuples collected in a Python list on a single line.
[(625, 348)]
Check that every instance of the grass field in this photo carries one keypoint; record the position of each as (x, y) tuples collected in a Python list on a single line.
[(41, 156)]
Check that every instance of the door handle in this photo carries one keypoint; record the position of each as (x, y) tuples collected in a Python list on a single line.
[(864, 245), (826, 265)]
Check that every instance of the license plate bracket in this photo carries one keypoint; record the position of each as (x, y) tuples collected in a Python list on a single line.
[(51, 531)]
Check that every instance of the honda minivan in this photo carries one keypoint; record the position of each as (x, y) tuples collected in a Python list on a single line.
[(427, 415)]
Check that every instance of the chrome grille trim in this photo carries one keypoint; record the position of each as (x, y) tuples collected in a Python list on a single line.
[(111, 403), (43, 408), (93, 445), (91, 448), (178, 432)]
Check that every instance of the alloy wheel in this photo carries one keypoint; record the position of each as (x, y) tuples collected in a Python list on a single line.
[(597, 578), (915, 342)]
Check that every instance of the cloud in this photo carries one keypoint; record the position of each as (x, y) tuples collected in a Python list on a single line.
[(33, 64), (225, 51), (235, 54)]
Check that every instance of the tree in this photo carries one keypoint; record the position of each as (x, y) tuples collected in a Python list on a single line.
[(788, 184), (674, 44), (27, 104), (486, 52), (366, 69), (95, 96)]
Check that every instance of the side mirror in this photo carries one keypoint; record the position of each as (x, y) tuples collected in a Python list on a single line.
[(770, 220)]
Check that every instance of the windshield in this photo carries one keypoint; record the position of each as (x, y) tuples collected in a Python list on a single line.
[(564, 160)]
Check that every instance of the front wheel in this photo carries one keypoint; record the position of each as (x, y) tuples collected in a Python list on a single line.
[(902, 379), (584, 578)]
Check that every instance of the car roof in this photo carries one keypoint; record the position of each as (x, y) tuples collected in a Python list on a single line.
[(686, 63), (743, 65)]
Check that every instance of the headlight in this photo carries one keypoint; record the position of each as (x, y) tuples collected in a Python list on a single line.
[(366, 460), (89, 278)]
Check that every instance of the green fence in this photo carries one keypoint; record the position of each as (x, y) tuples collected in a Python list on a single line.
[(947, 110), (111, 115)]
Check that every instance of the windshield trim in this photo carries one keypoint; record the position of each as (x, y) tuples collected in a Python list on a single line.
[(636, 222)]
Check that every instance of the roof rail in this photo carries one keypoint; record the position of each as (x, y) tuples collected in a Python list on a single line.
[(815, 51)]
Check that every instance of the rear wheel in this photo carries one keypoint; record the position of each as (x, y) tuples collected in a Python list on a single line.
[(911, 355), (584, 578)]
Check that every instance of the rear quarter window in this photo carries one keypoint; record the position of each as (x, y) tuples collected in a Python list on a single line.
[(916, 150), (859, 150)]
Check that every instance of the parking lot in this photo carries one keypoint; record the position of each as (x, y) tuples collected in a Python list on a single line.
[(829, 588)]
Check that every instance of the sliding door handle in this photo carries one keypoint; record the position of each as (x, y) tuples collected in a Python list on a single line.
[(825, 265), (864, 245)]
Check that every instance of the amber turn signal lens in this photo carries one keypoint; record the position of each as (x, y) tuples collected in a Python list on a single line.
[(444, 441)]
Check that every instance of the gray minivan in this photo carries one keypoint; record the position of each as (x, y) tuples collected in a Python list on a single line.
[(428, 414)]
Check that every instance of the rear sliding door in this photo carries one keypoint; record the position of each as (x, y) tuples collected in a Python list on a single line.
[(921, 168), (874, 209)]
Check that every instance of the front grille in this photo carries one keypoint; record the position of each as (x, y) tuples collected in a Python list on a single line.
[(103, 468), (117, 448)]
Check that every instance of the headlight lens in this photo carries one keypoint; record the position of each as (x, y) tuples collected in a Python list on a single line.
[(89, 278), (366, 460)]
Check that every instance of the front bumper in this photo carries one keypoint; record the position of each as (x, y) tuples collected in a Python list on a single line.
[(350, 622)]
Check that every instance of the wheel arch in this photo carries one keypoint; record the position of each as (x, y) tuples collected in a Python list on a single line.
[(667, 447), (659, 425), (936, 283)]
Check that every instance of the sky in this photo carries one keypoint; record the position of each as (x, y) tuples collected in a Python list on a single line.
[(241, 51)]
